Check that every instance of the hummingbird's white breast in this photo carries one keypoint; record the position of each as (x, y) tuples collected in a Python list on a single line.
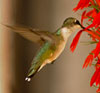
[(60, 47), (65, 32)]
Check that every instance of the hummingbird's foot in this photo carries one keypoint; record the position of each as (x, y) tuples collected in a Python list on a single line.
[(28, 79)]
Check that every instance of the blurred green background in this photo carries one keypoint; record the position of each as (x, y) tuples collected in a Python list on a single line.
[(65, 75)]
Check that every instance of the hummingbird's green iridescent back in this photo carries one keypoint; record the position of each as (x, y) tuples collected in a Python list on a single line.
[(41, 56)]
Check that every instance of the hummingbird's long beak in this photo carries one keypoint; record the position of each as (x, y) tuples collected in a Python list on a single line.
[(80, 25)]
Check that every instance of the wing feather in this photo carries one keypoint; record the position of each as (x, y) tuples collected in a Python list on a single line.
[(31, 34)]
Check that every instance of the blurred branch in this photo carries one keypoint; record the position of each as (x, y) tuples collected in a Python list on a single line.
[(5, 48)]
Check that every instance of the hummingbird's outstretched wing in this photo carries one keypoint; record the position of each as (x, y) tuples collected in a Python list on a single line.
[(31, 34)]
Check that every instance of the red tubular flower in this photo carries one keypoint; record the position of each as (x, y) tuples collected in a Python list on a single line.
[(96, 22), (92, 2), (97, 50), (98, 2), (98, 62), (89, 59), (94, 34), (91, 56), (76, 38), (94, 17), (82, 4), (83, 17), (96, 77), (91, 14), (98, 90), (98, 31), (75, 41)]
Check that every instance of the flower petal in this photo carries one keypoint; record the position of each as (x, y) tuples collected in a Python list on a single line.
[(88, 60), (93, 3), (83, 17), (98, 2), (82, 4), (94, 34), (98, 90), (97, 50), (94, 77), (75, 41)]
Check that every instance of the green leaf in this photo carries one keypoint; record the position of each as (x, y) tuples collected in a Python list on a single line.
[(95, 6), (89, 42)]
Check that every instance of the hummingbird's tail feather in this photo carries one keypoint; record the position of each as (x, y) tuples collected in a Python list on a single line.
[(39, 60), (31, 74), (28, 79), (41, 67)]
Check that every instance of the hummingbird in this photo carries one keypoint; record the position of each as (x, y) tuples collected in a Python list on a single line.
[(51, 44)]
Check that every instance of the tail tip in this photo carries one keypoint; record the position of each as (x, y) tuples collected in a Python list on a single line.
[(28, 79)]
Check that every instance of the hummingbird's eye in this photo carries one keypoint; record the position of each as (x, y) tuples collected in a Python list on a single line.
[(77, 22)]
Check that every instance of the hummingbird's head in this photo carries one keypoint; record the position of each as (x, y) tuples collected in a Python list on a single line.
[(72, 23)]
